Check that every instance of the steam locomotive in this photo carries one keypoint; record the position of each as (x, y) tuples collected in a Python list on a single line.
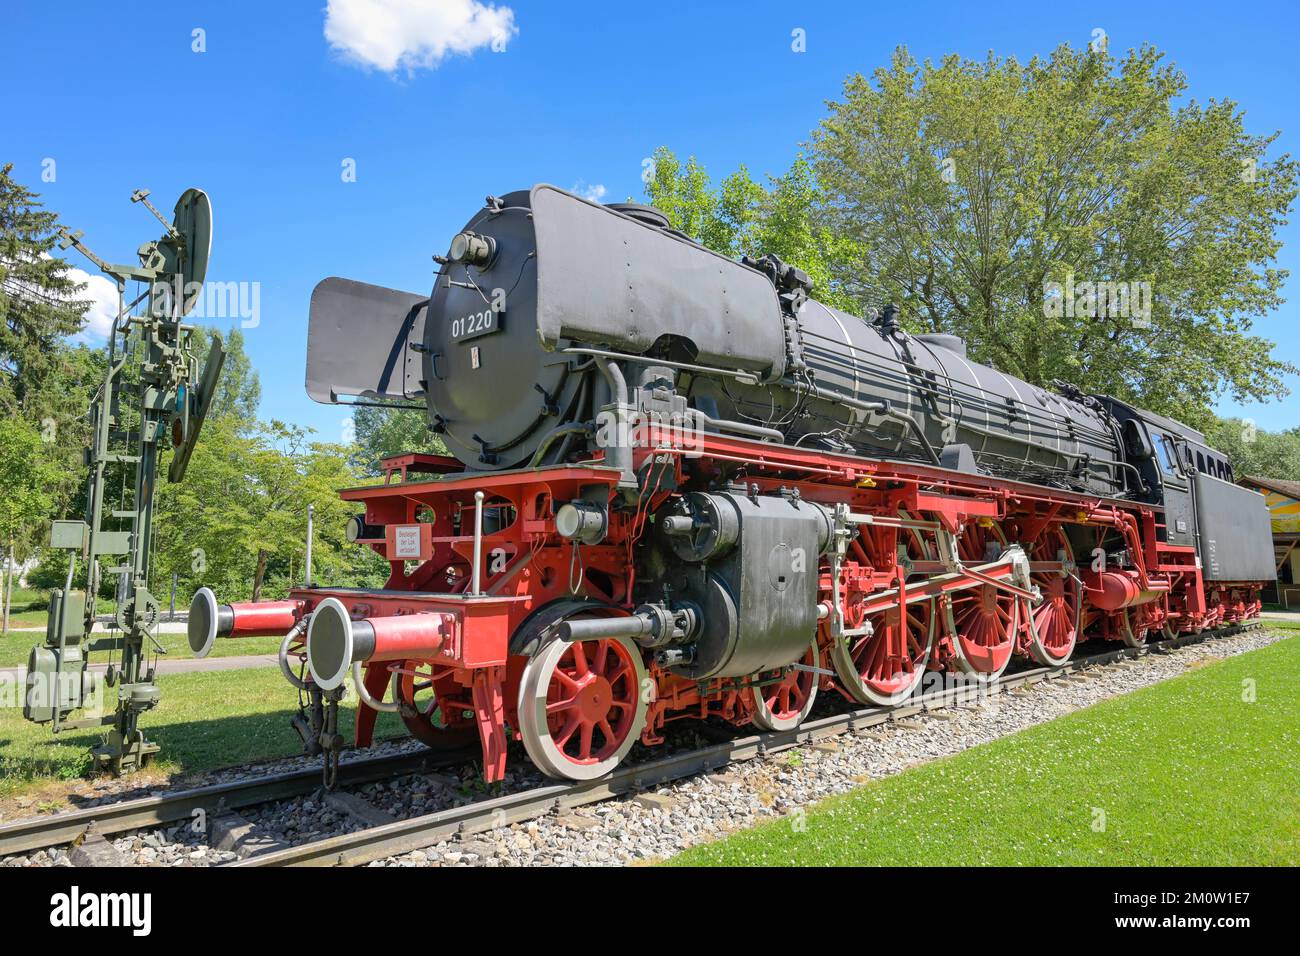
[(679, 487)]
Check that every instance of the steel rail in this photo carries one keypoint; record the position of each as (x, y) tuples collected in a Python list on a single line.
[(415, 833), (61, 828)]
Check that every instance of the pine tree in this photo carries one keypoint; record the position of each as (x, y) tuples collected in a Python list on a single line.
[(45, 383), (38, 301)]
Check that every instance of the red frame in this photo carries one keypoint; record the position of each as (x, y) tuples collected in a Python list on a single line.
[(528, 566)]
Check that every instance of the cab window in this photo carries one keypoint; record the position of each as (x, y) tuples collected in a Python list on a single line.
[(1165, 454)]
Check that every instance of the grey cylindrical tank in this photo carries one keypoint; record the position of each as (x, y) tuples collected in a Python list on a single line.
[(1013, 428), (567, 272)]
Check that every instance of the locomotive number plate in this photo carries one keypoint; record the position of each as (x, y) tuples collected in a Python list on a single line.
[(476, 324)]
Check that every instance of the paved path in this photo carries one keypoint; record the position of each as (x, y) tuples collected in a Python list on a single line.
[(164, 627), (1280, 615), (186, 665)]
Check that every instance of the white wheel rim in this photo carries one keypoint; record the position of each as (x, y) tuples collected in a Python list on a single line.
[(959, 654), (763, 716), (1036, 649), (1127, 633), (847, 670), (1041, 654), (963, 662), (535, 730)]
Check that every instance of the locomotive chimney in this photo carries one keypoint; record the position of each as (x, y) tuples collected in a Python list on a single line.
[(336, 642)]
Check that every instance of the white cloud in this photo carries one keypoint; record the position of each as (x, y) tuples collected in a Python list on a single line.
[(102, 295), (412, 34), (99, 292), (594, 191)]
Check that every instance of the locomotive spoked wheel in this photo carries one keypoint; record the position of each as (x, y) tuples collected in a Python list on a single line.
[(885, 666), (984, 620), (417, 687), (1169, 627), (580, 706), (784, 704), (869, 666), (1054, 623), (1132, 631)]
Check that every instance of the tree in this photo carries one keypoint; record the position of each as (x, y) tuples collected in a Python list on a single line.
[(976, 193), (382, 432), (718, 218), (743, 218), (72, 377), (26, 472), (44, 381), (37, 301), (238, 523), (288, 473), (239, 390), (1256, 452)]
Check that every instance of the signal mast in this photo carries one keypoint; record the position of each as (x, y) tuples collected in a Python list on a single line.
[(150, 365)]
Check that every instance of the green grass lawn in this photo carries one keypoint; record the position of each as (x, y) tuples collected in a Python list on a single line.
[(205, 720), (25, 618), (28, 608), (1186, 772)]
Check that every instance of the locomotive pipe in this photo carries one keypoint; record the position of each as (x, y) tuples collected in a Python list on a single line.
[(563, 431), (677, 524), (476, 581), (285, 669), (747, 378), (335, 641), (740, 428), (209, 620), (884, 409), (619, 453), (650, 625), (589, 629), (359, 682), (1116, 590)]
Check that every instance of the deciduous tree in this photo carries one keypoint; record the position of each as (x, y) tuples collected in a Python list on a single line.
[(969, 187), (27, 472), (1255, 451), (740, 217), (382, 432)]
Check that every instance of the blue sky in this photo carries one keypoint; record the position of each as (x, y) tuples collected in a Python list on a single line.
[(264, 118)]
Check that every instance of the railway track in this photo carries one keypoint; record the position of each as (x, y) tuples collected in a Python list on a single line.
[(121, 816), (402, 836)]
